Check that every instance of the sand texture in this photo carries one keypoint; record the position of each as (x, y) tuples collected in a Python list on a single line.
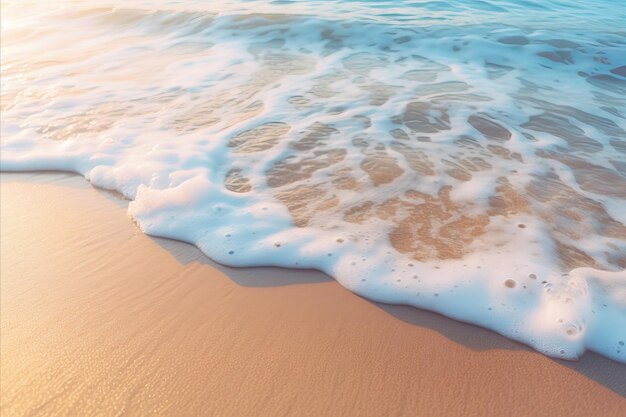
[(99, 319)]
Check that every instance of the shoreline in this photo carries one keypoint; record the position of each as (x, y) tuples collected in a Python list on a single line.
[(105, 319)]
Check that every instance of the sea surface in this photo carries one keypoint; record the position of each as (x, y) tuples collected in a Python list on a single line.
[(466, 157)]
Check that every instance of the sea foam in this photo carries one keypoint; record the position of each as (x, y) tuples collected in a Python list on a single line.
[(463, 157)]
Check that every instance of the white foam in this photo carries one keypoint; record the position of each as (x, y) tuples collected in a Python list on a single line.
[(156, 104)]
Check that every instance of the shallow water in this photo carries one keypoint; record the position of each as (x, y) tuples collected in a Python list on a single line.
[(463, 157)]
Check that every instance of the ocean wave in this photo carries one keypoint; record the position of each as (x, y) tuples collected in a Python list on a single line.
[(443, 160)]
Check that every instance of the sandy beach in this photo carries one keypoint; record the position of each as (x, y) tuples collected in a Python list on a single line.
[(100, 319)]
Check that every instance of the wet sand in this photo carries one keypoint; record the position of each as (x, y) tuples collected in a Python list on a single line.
[(100, 319)]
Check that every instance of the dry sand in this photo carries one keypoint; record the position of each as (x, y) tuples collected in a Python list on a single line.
[(99, 319)]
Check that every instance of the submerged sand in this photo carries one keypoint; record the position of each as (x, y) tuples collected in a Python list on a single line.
[(100, 319)]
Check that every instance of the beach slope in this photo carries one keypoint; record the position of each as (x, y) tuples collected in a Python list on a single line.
[(100, 319)]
